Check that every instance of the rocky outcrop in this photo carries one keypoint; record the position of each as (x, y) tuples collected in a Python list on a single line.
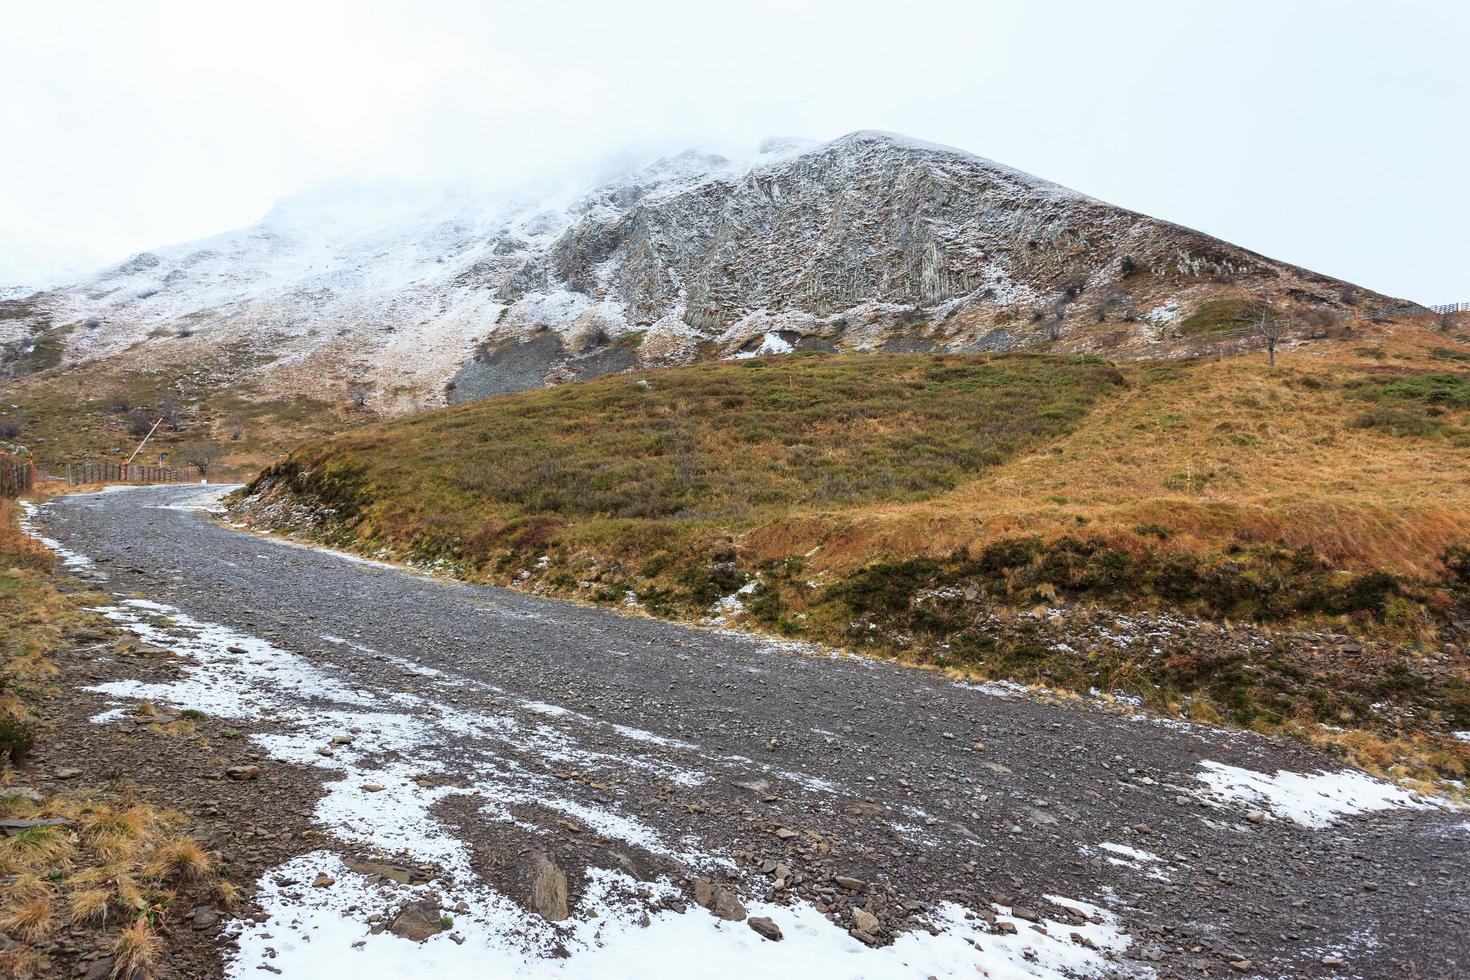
[(876, 241)]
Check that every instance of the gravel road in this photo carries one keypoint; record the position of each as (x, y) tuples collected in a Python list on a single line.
[(487, 743)]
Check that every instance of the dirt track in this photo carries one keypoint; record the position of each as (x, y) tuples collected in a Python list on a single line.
[(469, 737)]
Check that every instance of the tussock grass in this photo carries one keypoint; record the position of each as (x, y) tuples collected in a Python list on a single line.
[(89, 906), (182, 859), (34, 618), (136, 951), (117, 859), (29, 919), (35, 847), (20, 550)]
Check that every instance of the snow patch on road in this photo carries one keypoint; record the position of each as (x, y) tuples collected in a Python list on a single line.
[(1314, 800), (69, 559), (311, 934), (209, 501), (248, 681), (1132, 858), (1132, 853), (235, 675), (997, 689)]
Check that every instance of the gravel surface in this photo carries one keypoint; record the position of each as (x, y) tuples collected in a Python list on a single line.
[(484, 733)]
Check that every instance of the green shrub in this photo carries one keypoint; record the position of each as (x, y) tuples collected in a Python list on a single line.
[(1217, 315), (1397, 421), (1449, 354), (1449, 390), (17, 738)]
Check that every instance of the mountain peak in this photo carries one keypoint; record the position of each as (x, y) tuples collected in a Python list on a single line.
[(873, 241)]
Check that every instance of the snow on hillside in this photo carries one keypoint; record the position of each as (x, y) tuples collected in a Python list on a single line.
[(870, 241)]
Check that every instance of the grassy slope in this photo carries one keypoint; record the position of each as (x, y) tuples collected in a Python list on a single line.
[(1357, 451), (728, 442), (1325, 493), (1224, 452), (81, 412), (669, 464)]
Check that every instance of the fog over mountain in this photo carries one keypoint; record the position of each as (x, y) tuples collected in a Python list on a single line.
[(162, 122)]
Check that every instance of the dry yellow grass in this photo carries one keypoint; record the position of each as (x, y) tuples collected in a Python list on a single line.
[(1215, 452), (89, 906), (116, 858), (72, 413), (182, 859), (20, 549), (33, 615), (28, 919), (1415, 760), (136, 951)]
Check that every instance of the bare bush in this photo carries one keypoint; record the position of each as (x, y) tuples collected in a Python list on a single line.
[(1111, 303), (1323, 323), (139, 422), (200, 455)]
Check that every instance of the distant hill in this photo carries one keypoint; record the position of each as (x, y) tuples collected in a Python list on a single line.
[(870, 242)]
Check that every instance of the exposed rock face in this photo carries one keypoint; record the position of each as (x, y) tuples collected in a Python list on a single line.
[(876, 241), (869, 242)]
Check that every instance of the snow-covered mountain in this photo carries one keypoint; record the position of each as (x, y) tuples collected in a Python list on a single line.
[(871, 241)]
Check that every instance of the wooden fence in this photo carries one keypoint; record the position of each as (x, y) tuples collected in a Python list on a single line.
[(16, 476), (1451, 308), (80, 473)]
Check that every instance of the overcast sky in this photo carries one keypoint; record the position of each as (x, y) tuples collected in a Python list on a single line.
[(1329, 133)]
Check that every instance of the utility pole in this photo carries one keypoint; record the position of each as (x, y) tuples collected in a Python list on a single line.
[(141, 445)]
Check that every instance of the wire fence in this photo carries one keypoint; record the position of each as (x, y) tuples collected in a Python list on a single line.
[(1451, 308), (83, 473)]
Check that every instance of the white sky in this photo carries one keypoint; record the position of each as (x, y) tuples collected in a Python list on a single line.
[(1330, 133)]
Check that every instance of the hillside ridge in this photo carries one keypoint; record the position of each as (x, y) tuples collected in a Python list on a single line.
[(872, 241)]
